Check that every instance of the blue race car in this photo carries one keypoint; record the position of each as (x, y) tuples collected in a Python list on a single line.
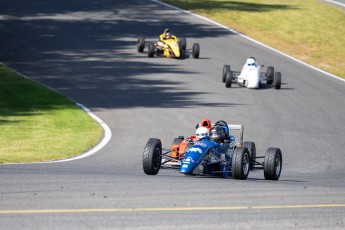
[(216, 153)]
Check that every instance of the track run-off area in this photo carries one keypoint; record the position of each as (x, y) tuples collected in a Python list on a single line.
[(87, 51)]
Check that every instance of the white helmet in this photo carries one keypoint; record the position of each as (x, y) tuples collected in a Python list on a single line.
[(251, 61), (201, 132)]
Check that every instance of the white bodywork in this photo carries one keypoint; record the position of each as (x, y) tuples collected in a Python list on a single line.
[(250, 76)]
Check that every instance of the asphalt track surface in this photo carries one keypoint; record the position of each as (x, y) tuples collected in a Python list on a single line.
[(87, 51)]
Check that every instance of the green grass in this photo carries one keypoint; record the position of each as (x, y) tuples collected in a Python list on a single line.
[(309, 30), (37, 124)]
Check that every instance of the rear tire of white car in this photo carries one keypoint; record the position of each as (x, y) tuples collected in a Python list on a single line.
[(226, 68), (151, 51), (240, 163), (277, 80), (252, 152), (152, 156), (228, 80), (270, 75), (273, 164), (196, 50), (141, 44)]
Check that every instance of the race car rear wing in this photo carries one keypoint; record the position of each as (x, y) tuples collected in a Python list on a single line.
[(238, 127)]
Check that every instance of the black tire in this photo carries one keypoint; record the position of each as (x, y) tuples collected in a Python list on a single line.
[(252, 153), (151, 51), (196, 50), (228, 80), (273, 164), (226, 69), (240, 163), (277, 80), (152, 156), (183, 44), (270, 75), (141, 44)]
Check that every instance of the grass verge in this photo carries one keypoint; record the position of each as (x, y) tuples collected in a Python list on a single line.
[(309, 30), (37, 124)]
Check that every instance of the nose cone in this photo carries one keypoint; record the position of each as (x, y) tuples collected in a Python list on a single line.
[(253, 78)]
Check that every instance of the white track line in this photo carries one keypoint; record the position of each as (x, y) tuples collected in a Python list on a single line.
[(250, 39), (334, 2), (106, 135)]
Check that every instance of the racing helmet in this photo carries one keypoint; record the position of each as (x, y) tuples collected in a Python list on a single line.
[(206, 123), (251, 61), (201, 132), (167, 34), (217, 134)]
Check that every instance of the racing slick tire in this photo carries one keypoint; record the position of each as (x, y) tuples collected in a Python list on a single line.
[(273, 164), (240, 163), (252, 153), (228, 80), (152, 156), (226, 69), (196, 50), (141, 44), (270, 75), (183, 45), (277, 80), (151, 51)]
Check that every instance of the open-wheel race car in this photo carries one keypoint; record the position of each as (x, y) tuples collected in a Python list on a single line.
[(168, 46), (213, 153), (251, 76)]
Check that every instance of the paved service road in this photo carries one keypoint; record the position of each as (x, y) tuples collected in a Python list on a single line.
[(87, 51)]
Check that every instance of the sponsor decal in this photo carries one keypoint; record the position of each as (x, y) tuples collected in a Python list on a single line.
[(195, 150), (184, 166), (188, 160), (201, 144)]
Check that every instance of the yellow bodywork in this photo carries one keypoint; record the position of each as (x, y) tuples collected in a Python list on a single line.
[(171, 47)]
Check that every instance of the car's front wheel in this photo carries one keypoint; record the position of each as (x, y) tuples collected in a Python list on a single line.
[(196, 50), (277, 80), (152, 156), (240, 163), (226, 69), (273, 164), (228, 80)]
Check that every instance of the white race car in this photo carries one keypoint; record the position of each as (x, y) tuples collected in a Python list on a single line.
[(251, 77)]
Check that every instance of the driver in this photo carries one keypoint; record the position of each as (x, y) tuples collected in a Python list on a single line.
[(251, 62), (217, 134), (201, 133), (166, 35)]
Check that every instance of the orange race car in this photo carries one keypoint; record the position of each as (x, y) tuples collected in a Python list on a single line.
[(181, 145)]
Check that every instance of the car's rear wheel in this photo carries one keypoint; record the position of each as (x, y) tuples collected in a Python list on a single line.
[(196, 50), (270, 75), (252, 153), (277, 80), (226, 69), (273, 164), (141, 44), (151, 51), (228, 80), (152, 156), (240, 163)]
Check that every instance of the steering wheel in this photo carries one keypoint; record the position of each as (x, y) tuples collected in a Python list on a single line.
[(221, 123)]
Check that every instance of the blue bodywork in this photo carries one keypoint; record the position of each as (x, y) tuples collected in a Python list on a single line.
[(207, 157)]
